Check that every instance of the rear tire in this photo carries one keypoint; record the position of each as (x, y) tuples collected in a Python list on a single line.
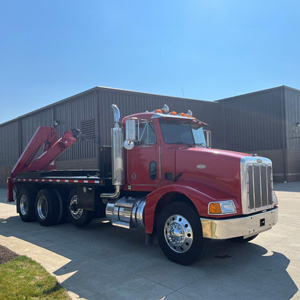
[(79, 217), (63, 208), (25, 203), (47, 207), (179, 234)]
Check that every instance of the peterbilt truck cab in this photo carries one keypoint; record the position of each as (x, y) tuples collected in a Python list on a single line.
[(164, 179), (196, 193)]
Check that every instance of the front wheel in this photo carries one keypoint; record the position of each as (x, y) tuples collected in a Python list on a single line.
[(79, 217), (179, 234)]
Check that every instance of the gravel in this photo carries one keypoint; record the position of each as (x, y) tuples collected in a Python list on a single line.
[(6, 255)]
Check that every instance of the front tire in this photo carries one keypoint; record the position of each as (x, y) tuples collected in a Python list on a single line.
[(79, 217), (179, 234), (25, 202)]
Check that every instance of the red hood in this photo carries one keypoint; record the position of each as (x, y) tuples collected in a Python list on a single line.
[(219, 168)]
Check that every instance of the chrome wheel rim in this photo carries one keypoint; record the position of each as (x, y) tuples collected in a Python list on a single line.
[(24, 205), (42, 208), (75, 211), (178, 233)]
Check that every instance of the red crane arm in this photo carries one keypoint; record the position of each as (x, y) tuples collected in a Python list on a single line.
[(46, 160), (43, 134), (52, 149)]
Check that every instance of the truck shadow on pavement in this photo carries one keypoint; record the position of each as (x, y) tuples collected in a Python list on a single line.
[(105, 262)]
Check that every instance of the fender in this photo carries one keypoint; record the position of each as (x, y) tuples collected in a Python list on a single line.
[(199, 193)]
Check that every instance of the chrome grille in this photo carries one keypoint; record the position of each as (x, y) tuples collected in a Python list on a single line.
[(260, 189), (256, 184)]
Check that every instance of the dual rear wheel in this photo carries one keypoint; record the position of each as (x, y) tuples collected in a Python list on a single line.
[(49, 207)]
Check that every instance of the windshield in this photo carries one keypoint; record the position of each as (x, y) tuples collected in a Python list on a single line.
[(178, 132)]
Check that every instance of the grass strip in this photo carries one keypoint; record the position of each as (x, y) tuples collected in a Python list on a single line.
[(23, 278)]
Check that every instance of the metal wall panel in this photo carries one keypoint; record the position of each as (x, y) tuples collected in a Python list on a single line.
[(293, 165), (292, 109), (9, 145), (30, 124), (132, 102), (254, 121), (70, 114)]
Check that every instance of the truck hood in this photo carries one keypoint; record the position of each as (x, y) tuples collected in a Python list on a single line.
[(217, 168)]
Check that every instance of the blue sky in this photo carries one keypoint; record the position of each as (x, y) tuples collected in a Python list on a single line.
[(208, 50)]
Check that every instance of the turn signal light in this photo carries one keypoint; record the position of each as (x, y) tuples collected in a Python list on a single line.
[(215, 208), (173, 113), (158, 111)]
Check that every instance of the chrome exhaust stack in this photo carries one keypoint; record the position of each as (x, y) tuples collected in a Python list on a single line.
[(116, 155)]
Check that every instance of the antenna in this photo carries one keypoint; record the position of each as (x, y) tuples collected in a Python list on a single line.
[(182, 92)]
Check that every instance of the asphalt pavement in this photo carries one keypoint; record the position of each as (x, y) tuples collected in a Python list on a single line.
[(106, 262)]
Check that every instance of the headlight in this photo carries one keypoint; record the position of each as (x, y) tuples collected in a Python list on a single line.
[(275, 200), (221, 208)]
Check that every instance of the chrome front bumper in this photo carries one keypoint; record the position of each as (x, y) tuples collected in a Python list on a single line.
[(244, 226)]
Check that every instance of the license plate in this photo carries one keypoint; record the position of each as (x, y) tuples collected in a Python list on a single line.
[(262, 222)]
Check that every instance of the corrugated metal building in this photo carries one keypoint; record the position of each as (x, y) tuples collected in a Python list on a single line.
[(266, 123), (263, 122), (90, 111)]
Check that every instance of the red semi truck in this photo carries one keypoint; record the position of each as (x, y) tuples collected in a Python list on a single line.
[(163, 178)]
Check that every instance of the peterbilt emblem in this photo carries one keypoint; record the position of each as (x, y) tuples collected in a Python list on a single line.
[(201, 167), (259, 160)]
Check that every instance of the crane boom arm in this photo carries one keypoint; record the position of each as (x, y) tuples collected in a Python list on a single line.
[(52, 149)]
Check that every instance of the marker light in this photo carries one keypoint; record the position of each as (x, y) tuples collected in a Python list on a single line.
[(184, 115), (165, 109), (221, 208)]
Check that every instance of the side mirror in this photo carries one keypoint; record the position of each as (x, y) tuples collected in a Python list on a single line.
[(130, 134), (207, 134)]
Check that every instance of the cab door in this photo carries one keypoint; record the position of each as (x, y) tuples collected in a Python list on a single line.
[(143, 161)]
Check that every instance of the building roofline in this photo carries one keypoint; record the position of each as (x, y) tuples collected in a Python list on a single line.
[(290, 88), (49, 106), (257, 92), (149, 94), (96, 88), (102, 88)]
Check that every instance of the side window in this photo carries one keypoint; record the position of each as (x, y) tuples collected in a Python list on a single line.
[(145, 133)]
